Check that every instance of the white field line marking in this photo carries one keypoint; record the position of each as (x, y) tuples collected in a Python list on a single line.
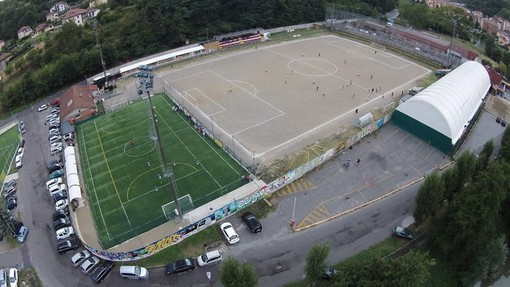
[(203, 94), (248, 92), (206, 142), (185, 146), (93, 185), (111, 176)]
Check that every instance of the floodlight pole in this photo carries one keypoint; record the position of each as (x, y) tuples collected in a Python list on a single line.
[(147, 85), (103, 65)]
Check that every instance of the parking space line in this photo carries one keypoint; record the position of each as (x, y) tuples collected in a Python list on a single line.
[(400, 142)]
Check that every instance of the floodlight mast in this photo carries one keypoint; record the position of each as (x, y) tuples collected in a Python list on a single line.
[(146, 78), (103, 65)]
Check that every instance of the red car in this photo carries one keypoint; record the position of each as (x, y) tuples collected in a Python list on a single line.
[(55, 102)]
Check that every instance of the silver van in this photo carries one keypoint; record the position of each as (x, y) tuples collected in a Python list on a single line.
[(134, 272)]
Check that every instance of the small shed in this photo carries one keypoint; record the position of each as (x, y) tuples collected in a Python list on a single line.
[(364, 121)]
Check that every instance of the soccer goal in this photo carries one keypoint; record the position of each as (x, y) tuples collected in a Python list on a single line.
[(378, 46), (170, 209)]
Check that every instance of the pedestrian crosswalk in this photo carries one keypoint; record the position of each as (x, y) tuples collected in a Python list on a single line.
[(299, 185), (318, 214)]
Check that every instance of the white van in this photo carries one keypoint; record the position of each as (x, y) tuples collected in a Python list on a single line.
[(134, 272)]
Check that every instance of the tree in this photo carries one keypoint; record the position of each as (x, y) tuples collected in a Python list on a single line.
[(429, 197), (411, 269), (236, 274), (316, 262), (484, 157), (504, 152)]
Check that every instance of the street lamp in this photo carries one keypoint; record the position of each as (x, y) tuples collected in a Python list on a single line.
[(146, 80)]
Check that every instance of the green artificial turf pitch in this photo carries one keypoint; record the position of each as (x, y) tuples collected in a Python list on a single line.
[(9, 141), (122, 168)]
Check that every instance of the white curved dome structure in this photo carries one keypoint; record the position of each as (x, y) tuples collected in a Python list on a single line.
[(441, 113)]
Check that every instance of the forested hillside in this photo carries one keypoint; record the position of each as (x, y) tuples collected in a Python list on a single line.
[(129, 29), (490, 7)]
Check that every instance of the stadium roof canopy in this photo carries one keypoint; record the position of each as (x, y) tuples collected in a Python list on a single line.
[(449, 104)]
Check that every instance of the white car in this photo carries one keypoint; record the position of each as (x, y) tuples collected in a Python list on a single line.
[(55, 139), (61, 204), (64, 233), (56, 188), (20, 151), (13, 277), (56, 144), (51, 116), (209, 258), (229, 233), (53, 181), (89, 264), (55, 149), (19, 164), (78, 258), (43, 107)]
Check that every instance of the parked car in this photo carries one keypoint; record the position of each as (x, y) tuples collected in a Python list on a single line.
[(78, 258), (20, 151), (329, 273), (51, 116), (230, 234), (18, 162), (3, 278), (53, 181), (59, 214), (13, 277), (61, 223), (68, 245), (11, 203), (252, 222), (209, 258), (57, 173), (42, 108), (56, 144), (22, 234), (61, 204), (134, 272), (102, 271), (55, 149), (54, 138), (55, 103), (8, 191), (58, 196), (180, 266), (55, 111), (54, 188), (89, 264), (402, 232), (64, 233), (54, 167), (11, 182)]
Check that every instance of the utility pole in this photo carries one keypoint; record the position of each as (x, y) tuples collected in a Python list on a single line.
[(146, 78)]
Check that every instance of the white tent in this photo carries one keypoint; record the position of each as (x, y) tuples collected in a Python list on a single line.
[(72, 178), (448, 105)]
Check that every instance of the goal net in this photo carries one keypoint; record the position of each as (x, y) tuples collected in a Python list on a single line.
[(170, 209)]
